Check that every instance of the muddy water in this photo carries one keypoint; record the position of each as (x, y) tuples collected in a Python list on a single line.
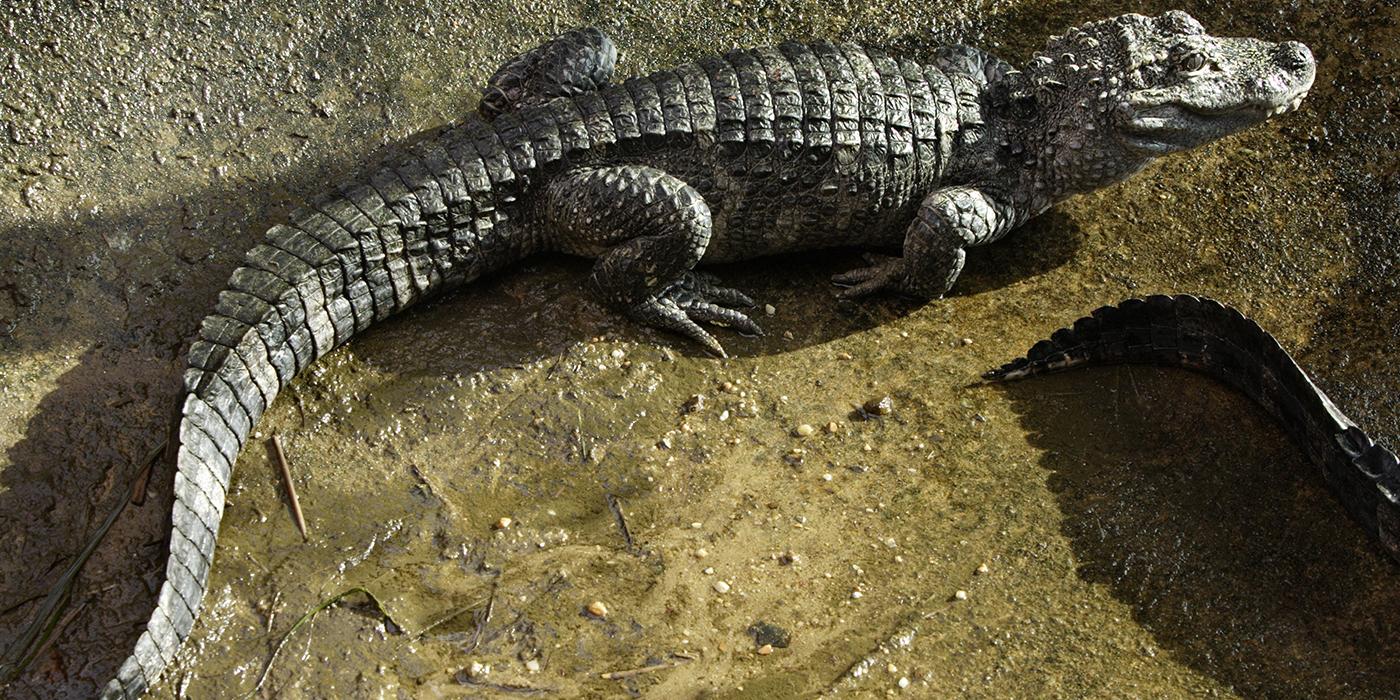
[(1143, 532)]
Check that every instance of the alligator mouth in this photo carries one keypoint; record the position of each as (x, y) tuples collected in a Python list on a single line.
[(1176, 126)]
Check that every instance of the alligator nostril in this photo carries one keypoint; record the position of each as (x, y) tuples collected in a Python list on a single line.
[(1293, 56)]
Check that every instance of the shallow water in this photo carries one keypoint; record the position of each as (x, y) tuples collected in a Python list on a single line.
[(1145, 532)]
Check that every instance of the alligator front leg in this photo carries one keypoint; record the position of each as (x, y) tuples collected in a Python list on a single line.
[(949, 220), (647, 230), (577, 61)]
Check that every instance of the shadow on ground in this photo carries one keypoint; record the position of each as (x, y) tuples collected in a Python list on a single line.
[(1230, 552)]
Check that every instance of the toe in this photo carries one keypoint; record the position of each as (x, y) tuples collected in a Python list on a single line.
[(707, 288), (854, 277), (666, 315), (711, 313)]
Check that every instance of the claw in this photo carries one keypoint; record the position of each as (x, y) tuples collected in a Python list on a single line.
[(710, 313), (696, 297), (706, 287), (885, 274), (664, 313)]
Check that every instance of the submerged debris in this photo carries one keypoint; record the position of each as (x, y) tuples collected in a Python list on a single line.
[(677, 658), (767, 634), (882, 406)]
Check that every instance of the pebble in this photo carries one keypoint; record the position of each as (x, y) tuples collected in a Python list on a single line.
[(827, 477), (983, 569), (882, 406), (857, 595), (697, 525), (892, 668), (832, 427), (721, 587), (693, 404), (533, 665), (966, 341), (803, 430), (503, 523), (768, 309), (701, 553), (766, 649), (903, 682), (478, 670), (789, 557), (709, 570), (598, 609), (960, 595)]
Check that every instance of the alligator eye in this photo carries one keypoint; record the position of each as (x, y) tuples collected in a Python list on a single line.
[(1192, 62)]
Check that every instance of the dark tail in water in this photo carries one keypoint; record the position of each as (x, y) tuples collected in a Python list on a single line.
[(1206, 336)]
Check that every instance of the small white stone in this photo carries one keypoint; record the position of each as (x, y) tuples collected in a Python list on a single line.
[(533, 665), (903, 682), (827, 477), (503, 523), (708, 571), (721, 587), (857, 595), (697, 526), (768, 309), (701, 553), (892, 668), (598, 609), (960, 595), (983, 569)]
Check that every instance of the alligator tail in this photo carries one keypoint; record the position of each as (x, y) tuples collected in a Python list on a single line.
[(335, 268), (1206, 336)]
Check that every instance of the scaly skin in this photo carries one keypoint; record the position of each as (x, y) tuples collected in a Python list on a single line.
[(731, 157), (1206, 336)]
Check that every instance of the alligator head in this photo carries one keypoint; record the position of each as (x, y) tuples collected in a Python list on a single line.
[(1116, 93)]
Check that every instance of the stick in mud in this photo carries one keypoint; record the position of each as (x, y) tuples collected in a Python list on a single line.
[(677, 659), (615, 505), (291, 488)]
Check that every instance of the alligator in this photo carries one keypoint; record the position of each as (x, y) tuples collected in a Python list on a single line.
[(733, 156), (1211, 338)]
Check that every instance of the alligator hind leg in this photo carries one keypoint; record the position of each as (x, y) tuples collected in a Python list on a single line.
[(577, 61), (647, 230)]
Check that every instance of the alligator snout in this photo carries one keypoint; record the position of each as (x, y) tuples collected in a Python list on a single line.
[(1294, 57)]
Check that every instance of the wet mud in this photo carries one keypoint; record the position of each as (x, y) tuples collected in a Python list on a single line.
[(1110, 532)]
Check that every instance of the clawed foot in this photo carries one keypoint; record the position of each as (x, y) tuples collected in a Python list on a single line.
[(885, 273), (697, 297)]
